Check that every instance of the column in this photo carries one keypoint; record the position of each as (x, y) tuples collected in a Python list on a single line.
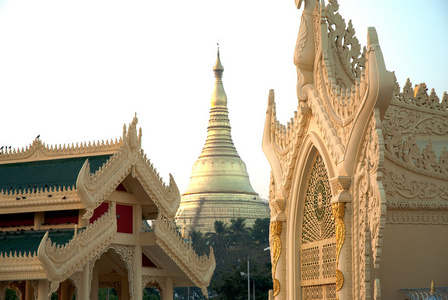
[(43, 289), (94, 285), (124, 288), (29, 291), (168, 293), (138, 273), (38, 220), (64, 290), (85, 282)]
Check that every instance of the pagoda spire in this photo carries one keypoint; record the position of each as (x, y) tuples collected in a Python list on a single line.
[(219, 97), (218, 148), (219, 187)]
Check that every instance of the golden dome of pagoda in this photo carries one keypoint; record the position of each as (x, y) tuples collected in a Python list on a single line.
[(219, 187)]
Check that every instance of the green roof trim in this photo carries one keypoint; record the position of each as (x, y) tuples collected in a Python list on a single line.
[(45, 174), (25, 241)]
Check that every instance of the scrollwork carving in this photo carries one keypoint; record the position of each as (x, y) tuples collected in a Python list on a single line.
[(410, 187), (370, 206)]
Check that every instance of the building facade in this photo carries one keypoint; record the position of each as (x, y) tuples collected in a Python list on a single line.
[(219, 187), (74, 219), (359, 177)]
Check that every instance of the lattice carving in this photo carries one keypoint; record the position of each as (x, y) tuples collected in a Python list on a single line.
[(318, 253), (324, 292), (317, 221)]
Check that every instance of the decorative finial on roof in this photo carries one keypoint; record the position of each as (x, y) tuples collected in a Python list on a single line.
[(219, 97), (218, 68), (433, 288)]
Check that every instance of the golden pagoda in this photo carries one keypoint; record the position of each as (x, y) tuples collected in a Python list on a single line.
[(219, 187)]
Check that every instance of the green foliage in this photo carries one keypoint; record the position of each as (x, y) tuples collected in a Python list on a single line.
[(151, 294), (102, 294), (11, 295), (232, 245)]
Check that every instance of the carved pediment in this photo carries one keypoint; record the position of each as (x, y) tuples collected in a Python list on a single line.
[(130, 159)]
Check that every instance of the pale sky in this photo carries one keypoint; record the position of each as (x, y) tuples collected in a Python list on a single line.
[(75, 71)]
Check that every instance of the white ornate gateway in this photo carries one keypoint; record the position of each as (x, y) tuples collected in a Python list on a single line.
[(73, 220), (359, 177)]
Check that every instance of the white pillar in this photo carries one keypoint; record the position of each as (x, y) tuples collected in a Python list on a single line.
[(43, 289), (85, 282)]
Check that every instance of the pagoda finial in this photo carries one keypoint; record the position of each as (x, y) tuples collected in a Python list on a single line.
[(219, 97), (218, 68), (433, 287)]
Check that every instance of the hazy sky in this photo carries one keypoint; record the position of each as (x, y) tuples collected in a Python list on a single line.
[(75, 71)]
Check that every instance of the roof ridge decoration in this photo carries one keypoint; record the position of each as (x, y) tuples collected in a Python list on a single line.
[(38, 150), (198, 268), (27, 262), (29, 200), (129, 159), (417, 98), (60, 261)]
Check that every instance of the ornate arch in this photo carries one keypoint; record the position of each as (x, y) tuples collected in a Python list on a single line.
[(313, 147)]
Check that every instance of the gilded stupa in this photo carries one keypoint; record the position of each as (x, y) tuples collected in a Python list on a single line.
[(219, 187)]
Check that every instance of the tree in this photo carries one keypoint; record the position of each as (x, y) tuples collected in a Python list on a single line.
[(198, 242), (239, 231), (219, 238), (260, 231)]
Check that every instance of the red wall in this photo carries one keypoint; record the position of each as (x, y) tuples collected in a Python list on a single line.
[(24, 219), (60, 217), (125, 222), (99, 211), (124, 218)]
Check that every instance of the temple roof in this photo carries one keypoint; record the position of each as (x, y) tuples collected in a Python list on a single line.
[(45, 174), (27, 241)]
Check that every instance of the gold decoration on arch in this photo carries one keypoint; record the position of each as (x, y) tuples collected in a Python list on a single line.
[(338, 210), (276, 245)]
